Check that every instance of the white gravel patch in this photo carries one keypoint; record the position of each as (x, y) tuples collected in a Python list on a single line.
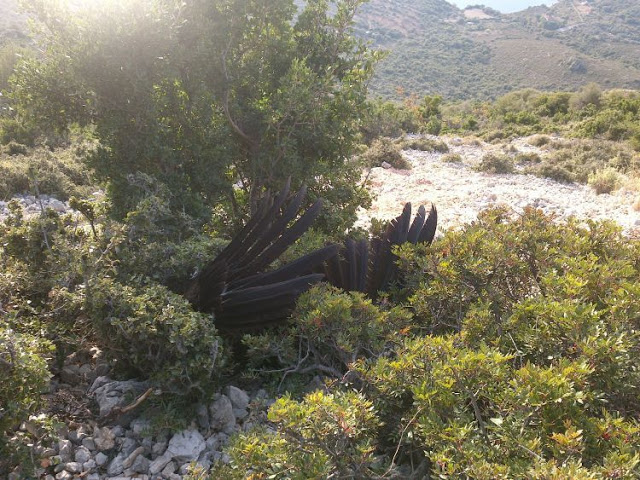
[(460, 193)]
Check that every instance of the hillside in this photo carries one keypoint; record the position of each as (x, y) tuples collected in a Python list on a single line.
[(436, 48), (478, 52)]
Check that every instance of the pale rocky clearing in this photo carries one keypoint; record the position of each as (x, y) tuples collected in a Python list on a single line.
[(460, 193)]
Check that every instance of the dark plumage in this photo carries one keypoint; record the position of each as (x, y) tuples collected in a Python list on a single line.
[(244, 297)]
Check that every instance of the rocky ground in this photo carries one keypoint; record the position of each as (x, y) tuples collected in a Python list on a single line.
[(105, 437), (459, 192)]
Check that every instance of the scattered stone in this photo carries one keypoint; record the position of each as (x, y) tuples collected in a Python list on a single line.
[(159, 463), (140, 427), (65, 450), (221, 415), (240, 413), (116, 466), (202, 416), (89, 444), (93, 476), (47, 452), (141, 464), (82, 455), (169, 469), (101, 459), (114, 394), (186, 445), (104, 439), (73, 467), (159, 448), (385, 165), (89, 465), (132, 457), (239, 398), (127, 446), (64, 475)]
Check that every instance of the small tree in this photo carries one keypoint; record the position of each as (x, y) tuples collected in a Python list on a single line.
[(216, 99)]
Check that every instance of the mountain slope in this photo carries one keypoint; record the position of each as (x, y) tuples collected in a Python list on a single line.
[(435, 48)]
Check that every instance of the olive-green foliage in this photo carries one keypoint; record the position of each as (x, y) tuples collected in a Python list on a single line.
[(330, 330), (479, 413), (153, 333), (25, 377), (589, 113), (388, 119), (66, 281), (581, 158), (548, 169), (9, 56), (385, 150), (424, 144), (521, 361), (337, 430), (452, 158), (248, 95), (605, 180), (60, 173), (12, 130), (494, 163)]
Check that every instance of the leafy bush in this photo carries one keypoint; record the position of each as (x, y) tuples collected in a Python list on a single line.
[(529, 157), (60, 174), (24, 377), (539, 140), (337, 430), (605, 180), (385, 150), (452, 158), (12, 130), (14, 148), (492, 163), (330, 330), (424, 144), (475, 413), (520, 362), (153, 333), (555, 172)]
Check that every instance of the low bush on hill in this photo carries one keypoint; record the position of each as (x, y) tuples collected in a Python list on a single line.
[(452, 158), (60, 173), (493, 163), (25, 376), (605, 181), (424, 145), (385, 150)]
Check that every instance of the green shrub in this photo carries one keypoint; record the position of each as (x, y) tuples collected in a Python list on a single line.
[(25, 376), (477, 413), (492, 163), (548, 169), (385, 150), (13, 148), (530, 157), (330, 329), (424, 144), (589, 95), (539, 140), (452, 158), (605, 180), (60, 174), (153, 333), (12, 130), (323, 436)]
